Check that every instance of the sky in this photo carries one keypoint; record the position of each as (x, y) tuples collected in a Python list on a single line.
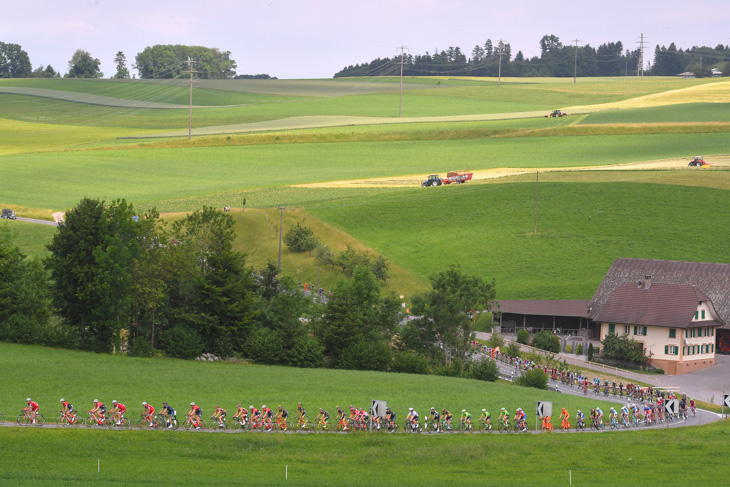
[(317, 38)]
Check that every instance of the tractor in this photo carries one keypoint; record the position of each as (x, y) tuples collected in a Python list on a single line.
[(556, 114), (433, 180), (8, 214), (698, 161)]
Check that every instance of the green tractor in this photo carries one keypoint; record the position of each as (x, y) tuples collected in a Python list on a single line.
[(433, 180), (556, 114)]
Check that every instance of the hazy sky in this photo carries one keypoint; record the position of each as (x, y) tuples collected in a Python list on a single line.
[(316, 38)]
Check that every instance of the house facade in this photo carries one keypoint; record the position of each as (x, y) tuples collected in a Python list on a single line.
[(674, 323)]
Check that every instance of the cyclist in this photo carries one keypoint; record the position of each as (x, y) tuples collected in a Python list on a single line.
[(148, 413), (625, 414), (32, 409), (435, 417), (599, 417), (98, 411), (621, 389), (268, 416), (520, 417), (255, 415), (219, 415), (692, 406), (486, 417), (281, 417), (580, 418), (241, 415), (412, 417), (170, 413), (322, 418), (683, 406), (564, 417), (466, 419), (301, 412), (504, 417), (647, 413), (118, 410), (547, 424), (341, 420), (446, 415), (353, 413), (67, 409), (613, 417), (364, 416), (194, 415), (390, 416)]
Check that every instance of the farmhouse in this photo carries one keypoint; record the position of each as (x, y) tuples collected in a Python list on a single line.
[(679, 311)]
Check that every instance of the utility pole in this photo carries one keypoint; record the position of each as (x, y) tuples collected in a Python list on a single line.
[(640, 67), (575, 64), (190, 113), (537, 180), (281, 226), (499, 82), (400, 103)]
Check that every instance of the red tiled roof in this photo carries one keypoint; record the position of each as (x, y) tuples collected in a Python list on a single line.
[(713, 280), (575, 308), (667, 305)]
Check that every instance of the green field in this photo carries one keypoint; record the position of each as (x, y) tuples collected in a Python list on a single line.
[(69, 456), (690, 112)]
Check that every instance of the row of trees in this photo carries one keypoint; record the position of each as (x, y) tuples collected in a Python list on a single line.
[(154, 62), (555, 60), (118, 282)]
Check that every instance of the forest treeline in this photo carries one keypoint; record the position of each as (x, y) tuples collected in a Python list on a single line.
[(556, 60)]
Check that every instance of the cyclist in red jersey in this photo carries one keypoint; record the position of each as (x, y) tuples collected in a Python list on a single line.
[(267, 416), (98, 411), (118, 410), (32, 409), (255, 415), (194, 414), (148, 412)]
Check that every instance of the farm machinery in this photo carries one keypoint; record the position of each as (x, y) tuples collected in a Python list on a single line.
[(458, 177), (8, 214), (556, 114), (698, 161)]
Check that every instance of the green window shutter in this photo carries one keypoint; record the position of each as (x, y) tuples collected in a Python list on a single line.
[(666, 349), (644, 331), (611, 328), (636, 328), (703, 314), (672, 333), (696, 314)]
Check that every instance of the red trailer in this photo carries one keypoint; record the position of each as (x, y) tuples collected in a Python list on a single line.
[(457, 177)]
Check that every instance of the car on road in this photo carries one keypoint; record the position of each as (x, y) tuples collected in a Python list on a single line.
[(8, 214)]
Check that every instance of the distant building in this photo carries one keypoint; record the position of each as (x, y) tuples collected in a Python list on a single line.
[(678, 311), (716, 73), (686, 74)]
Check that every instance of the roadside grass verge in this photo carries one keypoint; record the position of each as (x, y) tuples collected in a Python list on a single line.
[(36, 456)]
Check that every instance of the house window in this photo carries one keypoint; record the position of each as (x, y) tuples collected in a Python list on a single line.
[(684, 350), (640, 330), (673, 332), (627, 329), (611, 328)]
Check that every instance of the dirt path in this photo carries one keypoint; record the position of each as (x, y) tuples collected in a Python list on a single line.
[(483, 174)]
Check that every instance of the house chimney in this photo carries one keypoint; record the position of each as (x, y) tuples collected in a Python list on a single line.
[(647, 282)]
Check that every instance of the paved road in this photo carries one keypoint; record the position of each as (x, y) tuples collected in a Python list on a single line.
[(702, 417), (41, 222)]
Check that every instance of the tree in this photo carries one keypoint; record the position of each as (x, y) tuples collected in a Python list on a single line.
[(14, 62), (300, 238), (590, 352), (549, 44), (121, 61), (82, 65), (171, 61), (623, 349), (523, 336), (546, 340), (357, 313), (533, 378), (485, 369), (449, 312), (47, 72), (85, 272)]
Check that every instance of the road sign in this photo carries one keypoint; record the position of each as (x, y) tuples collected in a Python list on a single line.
[(727, 400), (544, 408), (378, 408), (671, 406)]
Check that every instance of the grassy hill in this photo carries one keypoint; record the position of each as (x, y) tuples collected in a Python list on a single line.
[(42, 456)]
